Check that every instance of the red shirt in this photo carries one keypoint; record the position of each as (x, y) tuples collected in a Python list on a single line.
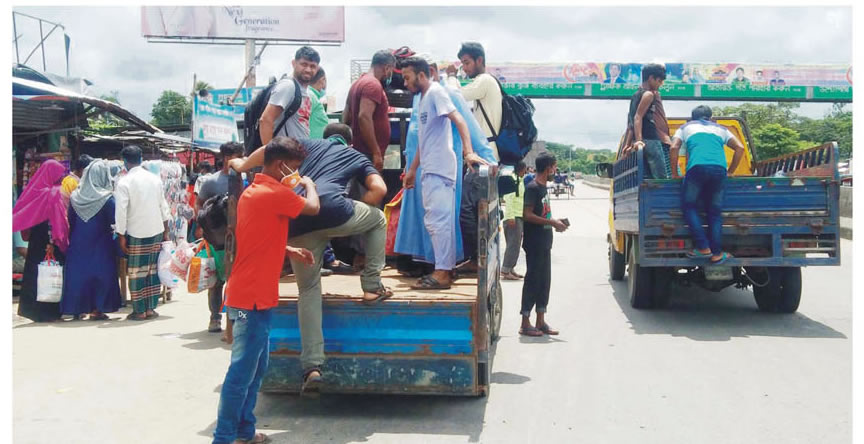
[(367, 86), (263, 212)]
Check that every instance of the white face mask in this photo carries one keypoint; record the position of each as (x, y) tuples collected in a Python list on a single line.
[(291, 178)]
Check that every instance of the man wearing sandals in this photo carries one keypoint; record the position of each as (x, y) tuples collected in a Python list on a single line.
[(332, 163), (263, 213), (435, 154), (537, 243), (702, 141)]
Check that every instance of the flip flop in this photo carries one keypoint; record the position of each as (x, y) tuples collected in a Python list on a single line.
[(722, 259), (530, 331), (133, 317), (429, 283), (259, 438), (153, 316), (548, 330), (101, 317), (383, 294), (696, 254)]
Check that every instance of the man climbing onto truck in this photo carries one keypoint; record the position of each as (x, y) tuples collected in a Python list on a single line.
[(704, 185), (646, 122)]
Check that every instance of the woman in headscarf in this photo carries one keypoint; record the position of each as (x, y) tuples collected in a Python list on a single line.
[(41, 210), (90, 283)]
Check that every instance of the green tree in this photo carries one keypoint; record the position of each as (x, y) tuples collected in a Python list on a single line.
[(774, 140), (836, 126), (171, 108), (104, 122), (759, 115)]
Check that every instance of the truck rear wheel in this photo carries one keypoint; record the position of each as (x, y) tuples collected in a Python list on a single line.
[(640, 283), (616, 264), (496, 312), (782, 294)]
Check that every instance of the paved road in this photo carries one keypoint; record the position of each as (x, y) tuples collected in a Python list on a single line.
[(709, 369)]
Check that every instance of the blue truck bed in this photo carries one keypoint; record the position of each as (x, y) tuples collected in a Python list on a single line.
[(768, 221)]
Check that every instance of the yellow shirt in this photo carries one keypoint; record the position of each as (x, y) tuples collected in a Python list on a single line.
[(70, 184)]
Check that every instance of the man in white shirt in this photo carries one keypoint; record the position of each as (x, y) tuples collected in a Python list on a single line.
[(435, 154), (142, 216), (483, 89)]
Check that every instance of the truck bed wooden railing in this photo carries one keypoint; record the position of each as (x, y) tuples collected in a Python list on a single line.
[(820, 161)]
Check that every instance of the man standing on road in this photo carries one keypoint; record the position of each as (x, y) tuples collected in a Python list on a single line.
[(142, 216), (284, 94), (647, 123), (705, 183), (537, 214), (217, 185), (263, 213), (366, 109), (435, 155), (514, 202), (331, 164)]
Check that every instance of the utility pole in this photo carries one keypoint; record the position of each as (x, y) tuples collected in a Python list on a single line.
[(250, 63)]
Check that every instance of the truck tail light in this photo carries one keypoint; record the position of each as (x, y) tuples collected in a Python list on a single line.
[(670, 244)]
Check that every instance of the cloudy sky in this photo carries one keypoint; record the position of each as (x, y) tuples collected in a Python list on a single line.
[(107, 48)]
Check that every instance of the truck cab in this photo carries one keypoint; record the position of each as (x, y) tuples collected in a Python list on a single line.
[(779, 215)]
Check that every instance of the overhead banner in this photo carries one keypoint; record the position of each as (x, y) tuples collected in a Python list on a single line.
[(296, 23), (717, 81), (213, 125)]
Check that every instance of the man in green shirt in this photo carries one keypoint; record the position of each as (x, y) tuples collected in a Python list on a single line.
[(318, 115), (513, 225)]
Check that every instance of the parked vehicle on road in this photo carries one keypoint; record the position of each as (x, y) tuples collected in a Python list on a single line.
[(779, 215)]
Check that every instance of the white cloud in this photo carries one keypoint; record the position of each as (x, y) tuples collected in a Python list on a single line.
[(108, 49)]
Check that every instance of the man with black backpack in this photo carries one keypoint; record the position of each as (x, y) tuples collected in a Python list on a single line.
[(483, 88), (283, 108)]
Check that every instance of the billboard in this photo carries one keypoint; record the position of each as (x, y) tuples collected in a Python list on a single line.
[(298, 23), (213, 125), (714, 81), (239, 105)]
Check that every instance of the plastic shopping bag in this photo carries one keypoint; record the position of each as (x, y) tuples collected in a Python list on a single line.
[(202, 270), (49, 280), (166, 277), (180, 260)]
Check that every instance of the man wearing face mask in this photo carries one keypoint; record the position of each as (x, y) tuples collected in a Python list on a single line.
[(367, 106)]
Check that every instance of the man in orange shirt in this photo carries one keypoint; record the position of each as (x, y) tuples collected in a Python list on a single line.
[(263, 213)]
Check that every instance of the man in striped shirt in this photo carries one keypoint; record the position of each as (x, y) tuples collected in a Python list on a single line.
[(702, 142)]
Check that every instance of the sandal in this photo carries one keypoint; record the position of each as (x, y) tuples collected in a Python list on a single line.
[(100, 317), (530, 331), (548, 330), (696, 254), (510, 276), (383, 294), (153, 316), (311, 384), (136, 317), (722, 259), (259, 438), (429, 283)]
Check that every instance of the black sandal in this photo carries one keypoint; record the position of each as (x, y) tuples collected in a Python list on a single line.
[(383, 294), (429, 283), (311, 384), (136, 317)]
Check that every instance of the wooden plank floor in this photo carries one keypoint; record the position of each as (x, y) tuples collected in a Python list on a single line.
[(348, 287)]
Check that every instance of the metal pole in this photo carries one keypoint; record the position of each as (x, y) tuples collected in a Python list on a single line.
[(250, 62), (15, 30), (42, 44)]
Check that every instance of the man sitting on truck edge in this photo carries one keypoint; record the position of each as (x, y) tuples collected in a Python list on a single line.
[(702, 141), (263, 213), (537, 243), (435, 154), (646, 122)]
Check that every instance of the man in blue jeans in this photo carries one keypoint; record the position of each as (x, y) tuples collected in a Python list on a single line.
[(702, 142), (263, 214)]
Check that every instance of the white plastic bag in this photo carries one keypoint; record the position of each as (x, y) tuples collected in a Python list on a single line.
[(166, 277), (49, 281), (181, 258)]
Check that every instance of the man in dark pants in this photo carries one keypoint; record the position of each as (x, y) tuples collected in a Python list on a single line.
[(704, 186), (216, 185), (537, 243)]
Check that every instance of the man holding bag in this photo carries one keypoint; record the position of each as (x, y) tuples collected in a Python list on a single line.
[(263, 214)]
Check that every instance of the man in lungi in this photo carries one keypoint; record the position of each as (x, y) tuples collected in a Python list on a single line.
[(142, 216)]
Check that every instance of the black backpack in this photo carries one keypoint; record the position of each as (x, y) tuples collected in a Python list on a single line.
[(518, 132), (254, 109), (213, 219)]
